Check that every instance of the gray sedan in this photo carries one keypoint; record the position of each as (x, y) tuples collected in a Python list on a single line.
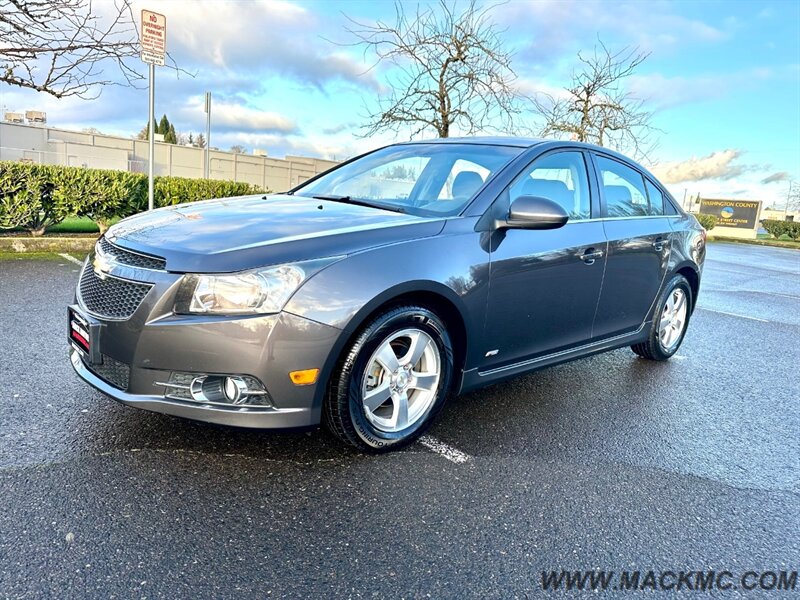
[(366, 296)]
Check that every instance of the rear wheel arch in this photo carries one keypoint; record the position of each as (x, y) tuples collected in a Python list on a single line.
[(693, 277)]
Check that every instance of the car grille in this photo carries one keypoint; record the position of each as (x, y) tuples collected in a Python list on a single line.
[(132, 259), (110, 297), (112, 371)]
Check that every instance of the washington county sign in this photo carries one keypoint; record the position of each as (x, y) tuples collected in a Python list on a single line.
[(740, 214)]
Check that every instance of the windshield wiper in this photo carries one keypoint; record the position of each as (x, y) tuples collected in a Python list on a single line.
[(358, 202)]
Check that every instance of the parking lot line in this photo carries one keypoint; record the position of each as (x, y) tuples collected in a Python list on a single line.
[(71, 259), (438, 446), (730, 314)]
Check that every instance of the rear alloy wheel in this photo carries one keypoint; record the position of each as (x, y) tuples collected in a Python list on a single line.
[(673, 319), (393, 380), (669, 324)]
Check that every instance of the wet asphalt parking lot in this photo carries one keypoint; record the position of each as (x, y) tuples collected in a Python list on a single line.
[(611, 462)]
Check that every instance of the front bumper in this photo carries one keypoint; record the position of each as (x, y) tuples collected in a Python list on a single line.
[(236, 416), (138, 354)]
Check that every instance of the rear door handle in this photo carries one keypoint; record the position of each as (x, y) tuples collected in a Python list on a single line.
[(591, 255), (659, 244)]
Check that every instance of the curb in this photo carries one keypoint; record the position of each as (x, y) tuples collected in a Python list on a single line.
[(46, 244), (770, 243)]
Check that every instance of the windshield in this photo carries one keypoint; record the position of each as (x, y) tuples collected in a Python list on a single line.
[(421, 179)]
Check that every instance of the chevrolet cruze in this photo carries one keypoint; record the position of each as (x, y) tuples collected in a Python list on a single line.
[(366, 296)]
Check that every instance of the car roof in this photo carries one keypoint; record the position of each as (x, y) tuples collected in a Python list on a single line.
[(489, 140)]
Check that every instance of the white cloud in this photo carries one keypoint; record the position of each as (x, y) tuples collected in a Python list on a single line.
[(717, 165), (232, 116), (256, 40), (335, 147), (530, 86), (555, 29), (666, 92), (721, 175), (736, 188), (777, 177)]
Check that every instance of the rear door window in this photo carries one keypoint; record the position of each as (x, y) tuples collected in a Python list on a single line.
[(623, 189), (656, 199)]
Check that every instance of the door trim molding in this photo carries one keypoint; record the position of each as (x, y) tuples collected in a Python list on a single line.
[(578, 351)]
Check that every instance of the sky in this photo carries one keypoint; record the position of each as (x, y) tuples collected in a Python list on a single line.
[(722, 78)]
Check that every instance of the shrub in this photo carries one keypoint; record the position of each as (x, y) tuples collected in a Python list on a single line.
[(26, 198), (98, 194), (176, 190), (707, 221), (34, 197), (777, 228)]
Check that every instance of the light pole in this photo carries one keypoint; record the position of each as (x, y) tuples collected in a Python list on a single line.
[(207, 168)]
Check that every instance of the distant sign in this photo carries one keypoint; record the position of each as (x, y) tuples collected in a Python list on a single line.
[(741, 214), (154, 37), (14, 117)]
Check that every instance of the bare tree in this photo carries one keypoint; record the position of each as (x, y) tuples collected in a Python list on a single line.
[(238, 149), (447, 69), (63, 48), (596, 107)]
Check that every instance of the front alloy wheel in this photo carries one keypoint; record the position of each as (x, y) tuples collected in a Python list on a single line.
[(401, 380), (392, 381)]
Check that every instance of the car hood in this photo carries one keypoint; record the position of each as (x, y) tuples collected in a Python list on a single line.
[(233, 234)]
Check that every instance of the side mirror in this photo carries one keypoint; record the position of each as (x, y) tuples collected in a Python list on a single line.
[(535, 212)]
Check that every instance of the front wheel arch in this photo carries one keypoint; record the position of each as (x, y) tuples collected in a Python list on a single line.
[(430, 295), (342, 412)]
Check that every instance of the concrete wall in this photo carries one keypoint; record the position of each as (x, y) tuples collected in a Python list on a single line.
[(48, 145)]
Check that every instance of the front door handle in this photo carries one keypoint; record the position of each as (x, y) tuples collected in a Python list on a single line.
[(591, 255)]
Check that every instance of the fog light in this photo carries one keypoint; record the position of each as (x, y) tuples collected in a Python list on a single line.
[(235, 389), (208, 389), (238, 390)]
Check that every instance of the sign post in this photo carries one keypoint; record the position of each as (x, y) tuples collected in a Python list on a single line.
[(151, 134), (154, 49)]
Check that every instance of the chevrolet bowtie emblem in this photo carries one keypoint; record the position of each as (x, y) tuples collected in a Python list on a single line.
[(102, 264)]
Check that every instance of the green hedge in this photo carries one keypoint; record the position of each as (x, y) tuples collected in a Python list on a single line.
[(778, 228), (707, 221), (34, 197)]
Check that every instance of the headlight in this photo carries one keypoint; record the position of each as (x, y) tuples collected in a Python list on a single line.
[(253, 292)]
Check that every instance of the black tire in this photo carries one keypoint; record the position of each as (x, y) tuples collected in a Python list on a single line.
[(653, 349), (343, 412)]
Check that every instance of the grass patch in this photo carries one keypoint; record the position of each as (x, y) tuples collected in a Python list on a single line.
[(74, 225), (70, 225)]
